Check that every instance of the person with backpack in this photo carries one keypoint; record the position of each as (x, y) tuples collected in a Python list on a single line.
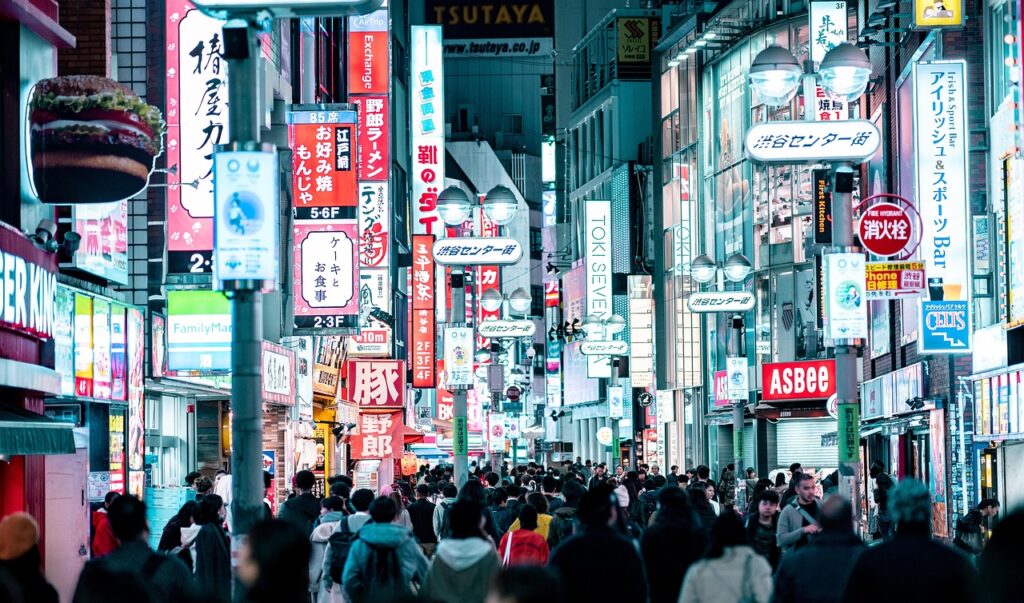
[(465, 562), (442, 511), (648, 501), (564, 520), (384, 561), (332, 513), (799, 519), (422, 514), (339, 545), (524, 546)]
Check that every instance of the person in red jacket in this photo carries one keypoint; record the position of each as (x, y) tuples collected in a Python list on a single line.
[(103, 540), (524, 546)]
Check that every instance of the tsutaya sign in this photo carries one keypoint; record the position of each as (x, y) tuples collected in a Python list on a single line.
[(477, 251), (853, 140), (604, 348), (721, 301), (507, 328)]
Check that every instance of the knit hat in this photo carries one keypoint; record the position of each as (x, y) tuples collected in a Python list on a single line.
[(19, 532), (623, 495)]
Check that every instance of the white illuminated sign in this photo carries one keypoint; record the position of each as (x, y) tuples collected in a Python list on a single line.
[(793, 142), (245, 196), (427, 106), (507, 328), (604, 348), (288, 8), (846, 314), (721, 301), (477, 251), (598, 235)]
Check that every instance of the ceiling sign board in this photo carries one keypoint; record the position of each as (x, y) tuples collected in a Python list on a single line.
[(721, 301), (500, 251), (507, 328), (222, 9), (604, 348), (792, 142)]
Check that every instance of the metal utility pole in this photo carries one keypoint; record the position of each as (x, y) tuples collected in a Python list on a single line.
[(737, 348), (460, 418)]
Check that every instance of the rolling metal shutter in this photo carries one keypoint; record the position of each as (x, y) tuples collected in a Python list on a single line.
[(799, 441)]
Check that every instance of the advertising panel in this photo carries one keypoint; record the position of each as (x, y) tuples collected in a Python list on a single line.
[(615, 405), (498, 29), (598, 232), (641, 331), (808, 380), (427, 105), (326, 274), (368, 48), (198, 331), (136, 348), (83, 345), (636, 38), (373, 139), (822, 205), (929, 14), (375, 384), (326, 368), (737, 378), (197, 120), (374, 224), (115, 425), (324, 153), (828, 24), (104, 248), (278, 374), (101, 373), (892, 280), (64, 340), (721, 394), (370, 343), (379, 436), (846, 315), (118, 353), (424, 343), (458, 357), (245, 190)]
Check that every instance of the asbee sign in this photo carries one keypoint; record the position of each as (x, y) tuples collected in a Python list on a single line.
[(791, 142), (810, 380), (721, 301)]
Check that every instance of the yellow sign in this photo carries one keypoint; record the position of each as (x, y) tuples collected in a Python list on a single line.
[(634, 40), (938, 13)]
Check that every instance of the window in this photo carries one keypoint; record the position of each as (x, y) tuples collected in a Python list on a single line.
[(536, 244), (537, 300), (512, 123)]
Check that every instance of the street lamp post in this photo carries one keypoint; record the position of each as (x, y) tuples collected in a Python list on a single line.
[(845, 70)]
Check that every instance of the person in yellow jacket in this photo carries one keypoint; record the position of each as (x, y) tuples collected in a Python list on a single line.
[(540, 502)]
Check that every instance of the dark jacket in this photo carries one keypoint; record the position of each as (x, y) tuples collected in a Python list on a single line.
[(563, 525), (598, 564), (23, 577), (503, 518), (301, 511), (213, 562), (170, 538), (554, 503), (165, 578), (817, 573), (421, 513), (772, 552), (706, 516), (911, 567), (669, 546)]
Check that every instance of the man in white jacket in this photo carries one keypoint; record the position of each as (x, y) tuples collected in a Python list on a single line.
[(450, 493)]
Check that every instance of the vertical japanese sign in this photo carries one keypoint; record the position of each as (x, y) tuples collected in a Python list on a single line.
[(373, 137), (828, 25), (197, 120), (374, 246), (827, 107), (427, 106), (598, 233), (487, 277), (136, 350), (379, 436), (941, 139), (324, 198), (822, 207), (423, 299), (641, 330), (375, 384)]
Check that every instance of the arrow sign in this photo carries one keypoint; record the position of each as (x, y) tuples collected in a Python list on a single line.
[(604, 348), (507, 328), (794, 142)]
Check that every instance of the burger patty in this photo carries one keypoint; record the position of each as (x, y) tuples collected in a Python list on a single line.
[(97, 140)]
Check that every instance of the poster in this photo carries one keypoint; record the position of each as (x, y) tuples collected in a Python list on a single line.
[(458, 357), (118, 353), (83, 346), (845, 304), (116, 426), (104, 246), (246, 212), (136, 354), (101, 378), (64, 340)]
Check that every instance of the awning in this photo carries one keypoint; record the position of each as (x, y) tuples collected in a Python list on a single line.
[(533, 431), (25, 432), (428, 451), (411, 436)]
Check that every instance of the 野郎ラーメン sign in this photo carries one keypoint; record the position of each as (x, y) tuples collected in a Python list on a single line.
[(278, 374), (892, 280), (828, 23), (324, 153), (375, 384), (812, 142), (372, 136), (326, 274), (379, 436), (499, 251), (245, 192), (427, 107), (198, 331), (846, 311)]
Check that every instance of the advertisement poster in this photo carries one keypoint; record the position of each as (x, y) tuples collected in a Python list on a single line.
[(427, 107), (323, 145), (846, 315), (458, 357), (117, 451), (83, 346), (104, 247), (374, 224), (101, 376), (892, 280), (197, 120), (326, 274), (930, 14), (136, 403), (158, 345), (278, 374), (198, 331), (326, 366), (118, 353), (63, 340), (246, 216), (828, 22), (375, 384)]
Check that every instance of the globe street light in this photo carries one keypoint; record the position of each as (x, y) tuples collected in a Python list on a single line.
[(845, 72), (775, 75), (592, 326), (500, 205), (615, 324), (737, 268), (453, 206), (491, 300), (520, 301), (703, 269)]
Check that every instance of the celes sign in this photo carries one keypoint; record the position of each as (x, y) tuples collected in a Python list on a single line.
[(811, 380)]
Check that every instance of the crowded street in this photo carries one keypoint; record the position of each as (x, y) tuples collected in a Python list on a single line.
[(511, 301)]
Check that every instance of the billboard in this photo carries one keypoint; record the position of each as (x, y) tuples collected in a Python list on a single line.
[(598, 248), (198, 331), (368, 53), (375, 384), (104, 248), (277, 374), (424, 298), (324, 152), (458, 357), (197, 121), (805, 380), (379, 436), (497, 29), (83, 345), (373, 137), (326, 274), (427, 106)]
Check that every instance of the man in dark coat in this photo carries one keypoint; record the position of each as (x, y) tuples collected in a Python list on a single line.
[(304, 509), (598, 550), (829, 558), (911, 566), (672, 542)]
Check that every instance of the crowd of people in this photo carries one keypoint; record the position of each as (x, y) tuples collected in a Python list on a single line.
[(530, 534)]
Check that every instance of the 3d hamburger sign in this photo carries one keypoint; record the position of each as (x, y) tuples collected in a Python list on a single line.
[(91, 140), (810, 380)]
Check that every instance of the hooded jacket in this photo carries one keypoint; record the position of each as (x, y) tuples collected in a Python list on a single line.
[(103, 540), (523, 547), (462, 571), (562, 526), (373, 537), (321, 534)]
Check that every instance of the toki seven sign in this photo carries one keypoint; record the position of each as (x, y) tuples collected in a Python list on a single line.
[(853, 140)]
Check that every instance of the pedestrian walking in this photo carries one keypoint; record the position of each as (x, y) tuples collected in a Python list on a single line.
[(911, 567), (384, 560), (524, 545), (525, 584), (339, 545), (670, 545), (1001, 562), (103, 541), (829, 558), (466, 562), (727, 486), (763, 526), (332, 512), (403, 518), (170, 538), (883, 484), (273, 563), (421, 512), (213, 550), (972, 529), (697, 495), (709, 492), (20, 558), (165, 578), (564, 521), (540, 504), (442, 513), (799, 519), (731, 571), (304, 508)]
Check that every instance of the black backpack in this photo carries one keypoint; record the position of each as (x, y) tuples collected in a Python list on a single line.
[(446, 524), (340, 542)]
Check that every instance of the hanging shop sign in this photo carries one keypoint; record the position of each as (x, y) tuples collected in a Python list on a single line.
[(375, 384), (246, 216), (370, 343), (604, 348), (507, 328), (278, 374), (500, 251), (605, 436), (598, 262), (379, 436), (821, 179), (28, 286), (721, 301), (424, 354), (846, 315), (326, 368), (373, 139), (885, 229), (426, 100), (808, 380), (791, 142), (64, 340), (374, 224), (118, 353), (324, 151), (198, 331), (616, 405), (368, 53), (197, 121), (101, 373), (945, 327), (930, 14), (641, 330), (551, 294), (495, 29), (894, 280), (326, 272), (828, 23), (737, 378), (458, 357), (104, 247), (828, 107), (83, 345)]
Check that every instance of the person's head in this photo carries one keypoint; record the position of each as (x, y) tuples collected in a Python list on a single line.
[(876, 469), (524, 584), (768, 504), (344, 479), (109, 498), (780, 479), (795, 468), (493, 479), (332, 503), (275, 559), (697, 496), (619, 471), (362, 499), (589, 462), (805, 488), (304, 480), (512, 491), (341, 490), (751, 474), (191, 478), (709, 490), (268, 480), (674, 469), (910, 506), (467, 519), (600, 469), (836, 515), (450, 490), (549, 485), (538, 500), (572, 492), (672, 501), (528, 517), (19, 539), (211, 510), (655, 470), (396, 496), (999, 564), (599, 507), (187, 513), (726, 532), (499, 497), (383, 510), (655, 481), (127, 517), (203, 485), (683, 480), (989, 507), (422, 491), (704, 473)]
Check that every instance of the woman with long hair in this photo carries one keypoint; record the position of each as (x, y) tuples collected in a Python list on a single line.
[(730, 571), (403, 518), (213, 550), (273, 563)]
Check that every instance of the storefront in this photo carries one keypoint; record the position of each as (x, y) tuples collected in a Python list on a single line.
[(795, 416), (999, 435)]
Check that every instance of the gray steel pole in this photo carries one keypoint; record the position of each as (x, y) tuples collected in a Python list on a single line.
[(848, 428), (246, 310), (737, 348), (460, 419)]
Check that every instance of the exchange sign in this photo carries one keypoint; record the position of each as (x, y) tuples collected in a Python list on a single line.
[(812, 142), (721, 301), (507, 328), (477, 252), (885, 229)]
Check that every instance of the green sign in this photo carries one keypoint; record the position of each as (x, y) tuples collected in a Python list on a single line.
[(616, 448), (461, 435), (737, 444), (849, 433)]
